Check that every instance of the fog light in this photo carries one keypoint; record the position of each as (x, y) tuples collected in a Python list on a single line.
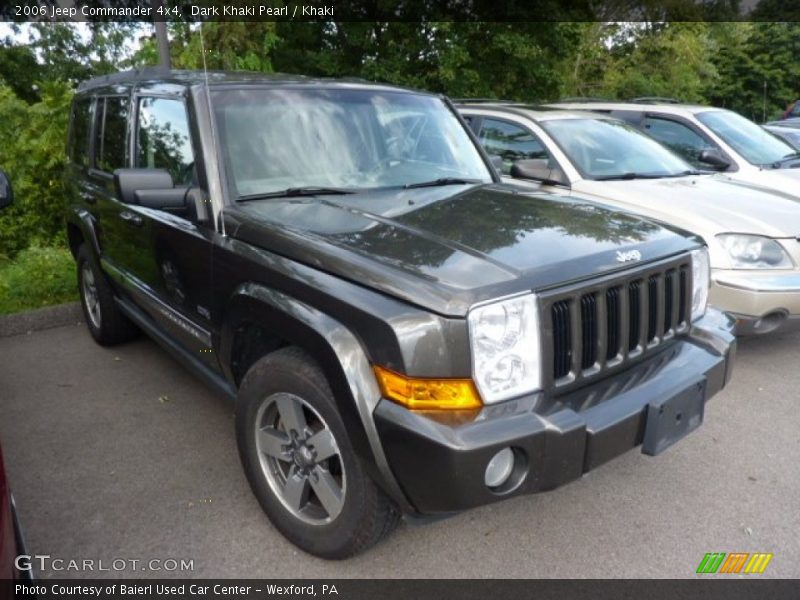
[(499, 468)]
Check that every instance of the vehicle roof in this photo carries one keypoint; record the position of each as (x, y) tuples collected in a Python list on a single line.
[(793, 123), (665, 107), (531, 111), (189, 78)]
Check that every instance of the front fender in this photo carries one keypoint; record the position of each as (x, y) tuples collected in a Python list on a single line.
[(338, 352)]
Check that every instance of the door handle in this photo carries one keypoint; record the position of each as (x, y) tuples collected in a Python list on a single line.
[(131, 218)]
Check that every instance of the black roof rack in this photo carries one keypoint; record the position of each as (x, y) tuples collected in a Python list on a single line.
[(655, 100), (130, 76)]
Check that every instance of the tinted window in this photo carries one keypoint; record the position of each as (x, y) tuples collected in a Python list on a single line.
[(110, 133), (511, 142), (79, 136), (163, 140), (678, 138)]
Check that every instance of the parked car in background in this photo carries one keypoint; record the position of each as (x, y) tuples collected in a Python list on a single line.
[(711, 138), (399, 330), (792, 111), (11, 542), (751, 232), (788, 130)]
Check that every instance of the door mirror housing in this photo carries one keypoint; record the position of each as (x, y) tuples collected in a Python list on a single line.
[(539, 169), (6, 192), (152, 188), (714, 158)]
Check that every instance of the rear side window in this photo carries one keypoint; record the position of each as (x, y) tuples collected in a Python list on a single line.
[(511, 142), (678, 138), (110, 133), (163, 140), (79, 134)]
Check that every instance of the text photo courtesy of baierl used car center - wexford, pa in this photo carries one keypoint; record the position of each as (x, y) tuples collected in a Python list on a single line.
[(364, 299)]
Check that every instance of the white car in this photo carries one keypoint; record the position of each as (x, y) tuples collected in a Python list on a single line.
[(751, 231), (711, 138)]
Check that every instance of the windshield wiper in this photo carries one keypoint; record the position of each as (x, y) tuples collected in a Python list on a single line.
[(442, 181), (628, 176), (296, 192), (687, 173), (789, 157)]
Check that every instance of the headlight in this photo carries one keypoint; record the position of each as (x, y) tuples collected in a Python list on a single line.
[(506, 353), (700, 279), (754, 252)]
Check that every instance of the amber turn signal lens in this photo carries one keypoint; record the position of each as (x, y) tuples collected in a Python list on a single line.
[(427, 394)]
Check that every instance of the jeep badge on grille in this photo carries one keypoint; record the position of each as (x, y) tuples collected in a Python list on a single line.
[(628, 256)]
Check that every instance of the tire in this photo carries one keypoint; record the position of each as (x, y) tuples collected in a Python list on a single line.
[(104, 319), (295, 477)]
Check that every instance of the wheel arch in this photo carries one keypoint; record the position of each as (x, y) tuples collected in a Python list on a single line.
[(260, 320), (80, 230)]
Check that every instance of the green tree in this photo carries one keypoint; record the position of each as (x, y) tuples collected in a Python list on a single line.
[(35, 163)]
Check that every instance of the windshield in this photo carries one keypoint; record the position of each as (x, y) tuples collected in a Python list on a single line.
[(289, 138), (748, 139), (608, 149)]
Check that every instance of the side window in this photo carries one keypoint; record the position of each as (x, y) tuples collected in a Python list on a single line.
[(79, 134), (511, 142), (110, 133), (679, 138), (163, 140)]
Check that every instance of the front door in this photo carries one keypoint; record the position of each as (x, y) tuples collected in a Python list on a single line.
[(166, 257)]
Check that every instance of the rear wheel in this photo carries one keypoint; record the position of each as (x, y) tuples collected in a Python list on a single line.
[(300, 463), (104, 319)]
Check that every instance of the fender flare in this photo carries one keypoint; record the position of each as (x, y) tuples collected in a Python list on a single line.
[(339, 354)]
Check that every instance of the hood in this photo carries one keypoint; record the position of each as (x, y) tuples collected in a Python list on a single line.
[(705, 204), (446, 248), (786, 180)]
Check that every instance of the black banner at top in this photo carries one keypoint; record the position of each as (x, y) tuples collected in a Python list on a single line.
[(398, 10)]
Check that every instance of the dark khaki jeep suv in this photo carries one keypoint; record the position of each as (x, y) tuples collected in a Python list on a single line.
[(400, 332)]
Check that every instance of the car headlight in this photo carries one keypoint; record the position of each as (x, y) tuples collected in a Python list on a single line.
[(701, 274), (506, 353), (754, 252)]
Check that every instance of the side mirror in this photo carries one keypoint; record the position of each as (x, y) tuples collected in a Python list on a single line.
[(6, 193), (152, 188), (539, 169), (714, 158)]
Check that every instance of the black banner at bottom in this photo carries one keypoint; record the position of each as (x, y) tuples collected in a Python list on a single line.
[(408, 589)]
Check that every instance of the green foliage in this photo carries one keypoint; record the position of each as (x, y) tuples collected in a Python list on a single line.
[(37, 277), (33, 155)]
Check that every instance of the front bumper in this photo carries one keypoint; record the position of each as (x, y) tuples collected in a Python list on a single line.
[(441, 467), (760, 301)]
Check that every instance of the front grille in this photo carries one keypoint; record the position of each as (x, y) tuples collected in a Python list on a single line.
[(597, 327)]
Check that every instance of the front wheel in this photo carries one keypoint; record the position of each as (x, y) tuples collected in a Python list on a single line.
[(300, 463)]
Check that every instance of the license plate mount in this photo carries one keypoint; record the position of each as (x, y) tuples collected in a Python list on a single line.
[(672, 418)]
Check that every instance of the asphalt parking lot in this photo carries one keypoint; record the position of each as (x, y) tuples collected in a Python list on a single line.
[(121, 453)]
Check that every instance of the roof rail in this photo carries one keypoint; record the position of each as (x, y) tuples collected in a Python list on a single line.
[(655, 100), (581, 99), (133, 75), (484, 101)]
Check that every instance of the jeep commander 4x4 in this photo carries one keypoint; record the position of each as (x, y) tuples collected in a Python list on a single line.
[(400, 332)]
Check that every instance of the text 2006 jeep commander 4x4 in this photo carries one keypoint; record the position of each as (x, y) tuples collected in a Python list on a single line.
[(401, 332)]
